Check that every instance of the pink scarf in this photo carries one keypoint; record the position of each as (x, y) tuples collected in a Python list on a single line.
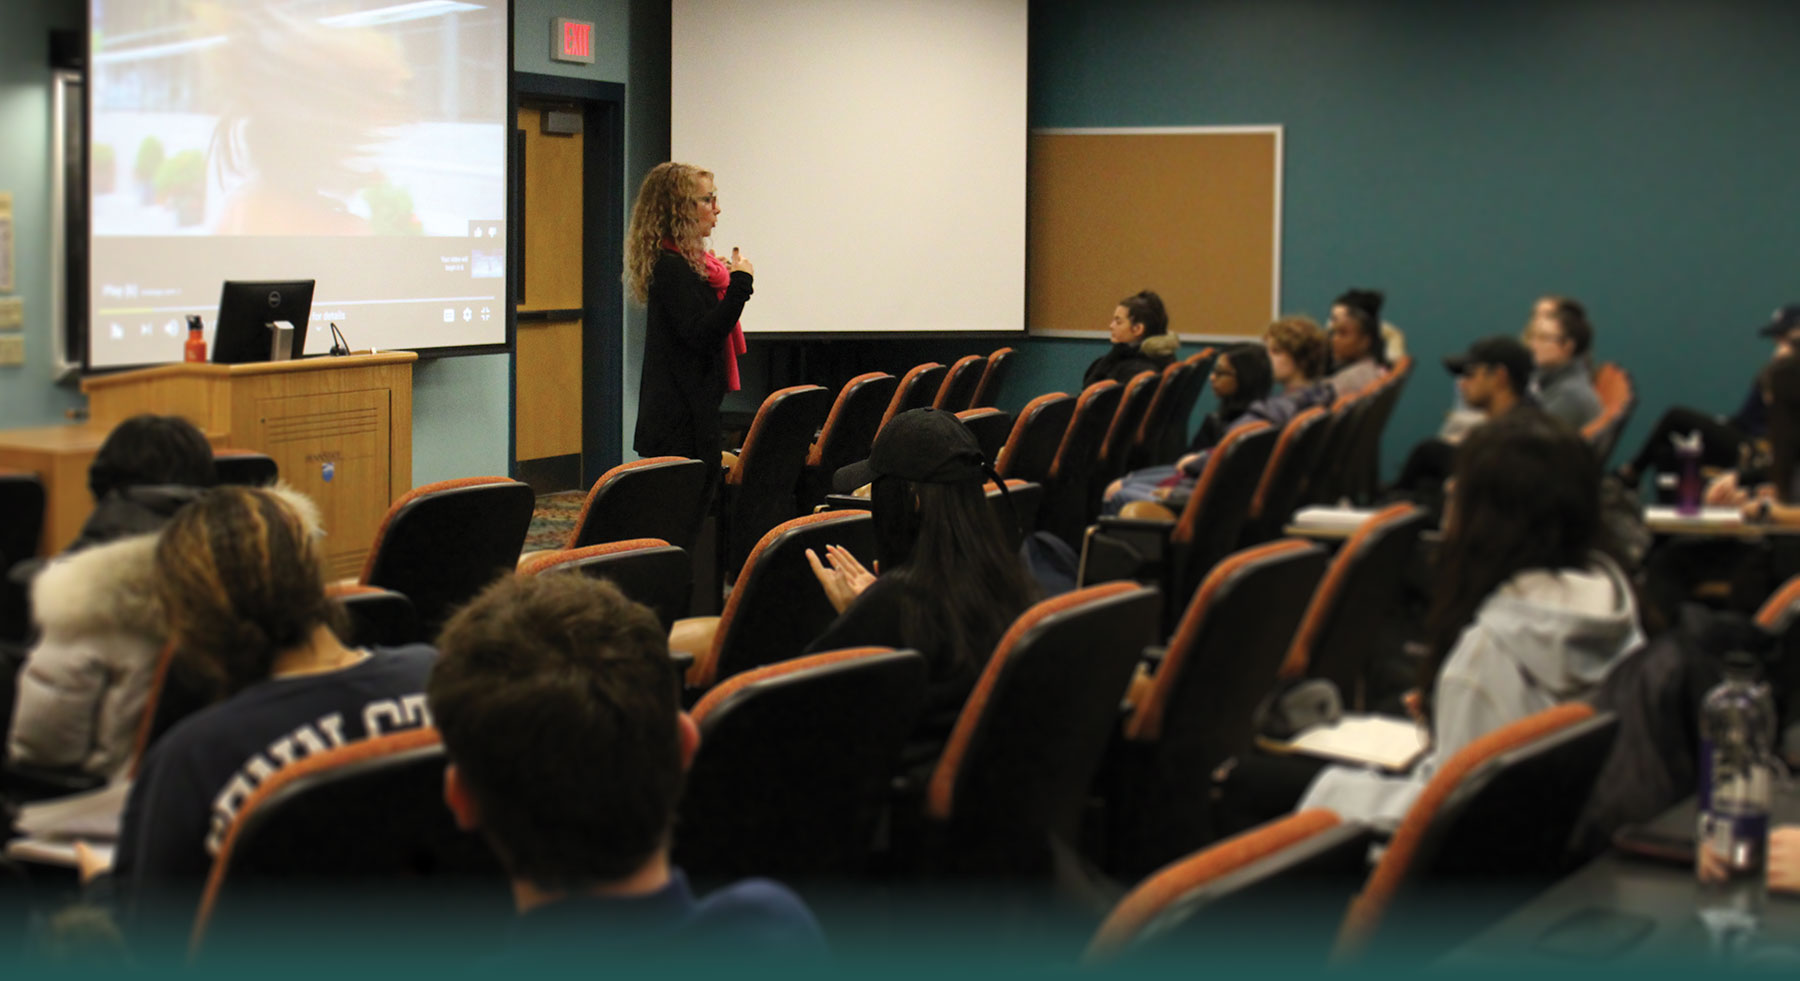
[(718, 277)]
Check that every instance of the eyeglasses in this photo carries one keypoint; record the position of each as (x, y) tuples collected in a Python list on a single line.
[(708, 199), (1218, 372)]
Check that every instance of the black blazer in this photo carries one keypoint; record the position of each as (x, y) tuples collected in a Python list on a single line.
[(683, 380)]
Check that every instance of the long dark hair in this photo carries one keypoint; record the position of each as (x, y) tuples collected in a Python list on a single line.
[(1255, 378), (1527, 496), (966, 586)]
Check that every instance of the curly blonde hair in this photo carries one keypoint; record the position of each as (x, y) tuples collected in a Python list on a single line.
[(664, 212), (1300, 337)]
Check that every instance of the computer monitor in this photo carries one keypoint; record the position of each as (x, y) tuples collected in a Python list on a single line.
[(241, 334)]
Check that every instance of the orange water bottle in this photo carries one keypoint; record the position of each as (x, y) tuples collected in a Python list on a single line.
[(196, 342)]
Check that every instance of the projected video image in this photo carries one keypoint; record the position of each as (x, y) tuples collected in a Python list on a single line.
[(345, 141), (301, 118)]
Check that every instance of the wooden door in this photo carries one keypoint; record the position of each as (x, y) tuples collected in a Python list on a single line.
[(547, 366)]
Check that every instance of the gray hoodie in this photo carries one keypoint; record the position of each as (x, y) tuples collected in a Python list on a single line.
[(1567, 393), (1541, 639)]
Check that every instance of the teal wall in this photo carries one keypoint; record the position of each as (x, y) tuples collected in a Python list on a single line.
[(1642, 156), (27, 396)]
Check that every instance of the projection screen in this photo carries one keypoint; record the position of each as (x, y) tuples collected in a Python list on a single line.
[(869, 157), (358, 143)]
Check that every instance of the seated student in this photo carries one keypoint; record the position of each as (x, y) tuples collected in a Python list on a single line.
[(1357, 347), (241, 573), (1725, 441), (145, 470), (1294, 354), (1562, 383), (1526, 614), (949, 583), (1241, 377), (1491, 377), (1141, 341), (82, 686), (561, 716), (1461, 418)]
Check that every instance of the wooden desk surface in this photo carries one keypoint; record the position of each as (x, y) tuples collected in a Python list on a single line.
[(183, 369), (66, 438)]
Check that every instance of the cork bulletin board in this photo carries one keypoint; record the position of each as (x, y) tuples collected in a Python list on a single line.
[(1193, 213)]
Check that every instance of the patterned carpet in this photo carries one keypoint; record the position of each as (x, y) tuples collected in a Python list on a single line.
[(553, 519)]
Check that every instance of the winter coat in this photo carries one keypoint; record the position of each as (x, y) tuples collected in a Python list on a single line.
[(82, 689)]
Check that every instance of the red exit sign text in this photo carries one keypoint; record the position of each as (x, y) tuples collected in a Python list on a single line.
[(572, 40)]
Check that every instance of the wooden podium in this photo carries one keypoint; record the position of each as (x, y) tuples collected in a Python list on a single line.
[(339, 429)]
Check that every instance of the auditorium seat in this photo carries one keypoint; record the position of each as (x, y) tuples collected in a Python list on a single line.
[(247, 467), (1617, 400), (1011, 785), (1026, 501), (1292, 874), (1065, 511), (759, 489), (1353, 601), (365, 824), (1115, 447), (377, 617), (1285, 476), (441, 543), (1174, 438), (1161, 433), (21, 531), (647, 570), (794, 763), (777, 606), (1489, 831), (991, 428), (1332, 478), (1365, 472), (177, 690), (1178, 555), (847, 434), (1197, 709), (656, 497), (958, 389), (917, 389), (993, 376), (1031, 446)]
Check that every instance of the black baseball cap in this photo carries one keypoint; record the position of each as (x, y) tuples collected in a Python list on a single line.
[(1784, 319), (926, 446), (1500, 350)]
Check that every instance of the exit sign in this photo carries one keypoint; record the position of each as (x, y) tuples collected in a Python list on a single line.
[(572, 40)]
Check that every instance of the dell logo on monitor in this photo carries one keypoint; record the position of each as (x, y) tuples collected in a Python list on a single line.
[(274, 299)]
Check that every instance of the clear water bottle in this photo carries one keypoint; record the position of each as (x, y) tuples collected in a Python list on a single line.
[(1737, 731), (1688, 490)]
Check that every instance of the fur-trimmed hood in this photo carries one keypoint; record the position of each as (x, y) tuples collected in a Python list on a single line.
[(110, 587), (1160, 346), (103, 589)]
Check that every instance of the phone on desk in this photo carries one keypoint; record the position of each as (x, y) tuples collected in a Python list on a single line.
[(1656, 844)]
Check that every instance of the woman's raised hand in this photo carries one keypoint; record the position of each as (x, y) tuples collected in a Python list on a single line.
[(841, 575), (739, 263)]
